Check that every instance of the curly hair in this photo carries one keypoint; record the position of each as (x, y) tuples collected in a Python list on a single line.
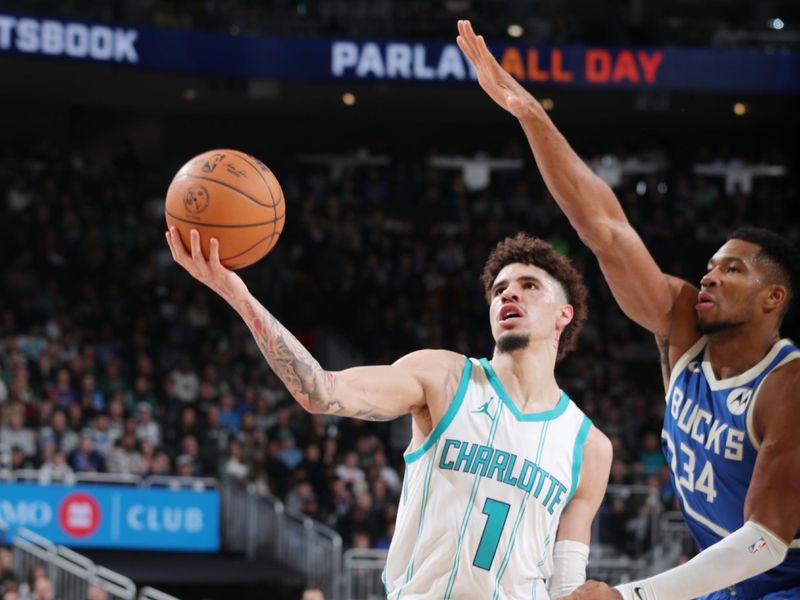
[(530, 250)]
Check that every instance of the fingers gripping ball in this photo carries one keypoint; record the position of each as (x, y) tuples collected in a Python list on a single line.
[(230, 196)]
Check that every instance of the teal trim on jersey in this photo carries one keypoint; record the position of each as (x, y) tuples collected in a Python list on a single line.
[(520, 513), (425, 496), (546, 415), (457, 558), (577, 455), (447, 418)]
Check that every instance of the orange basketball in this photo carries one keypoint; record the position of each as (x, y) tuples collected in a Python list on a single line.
[(231, 196)]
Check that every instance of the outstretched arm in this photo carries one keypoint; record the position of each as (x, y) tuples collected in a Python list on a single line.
[(644, 293), (373, 393)]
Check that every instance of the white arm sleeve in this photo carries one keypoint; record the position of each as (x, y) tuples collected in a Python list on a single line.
[(569, 567), (748, 551)]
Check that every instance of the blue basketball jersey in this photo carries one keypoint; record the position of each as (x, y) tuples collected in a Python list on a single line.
[(711, 446)]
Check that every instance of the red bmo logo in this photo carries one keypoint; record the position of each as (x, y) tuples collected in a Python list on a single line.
[(79, 515)]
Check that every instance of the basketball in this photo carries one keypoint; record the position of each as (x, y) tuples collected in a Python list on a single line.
[(231, 196)]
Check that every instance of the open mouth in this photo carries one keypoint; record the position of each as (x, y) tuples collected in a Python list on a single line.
[(509, 312), (705, 301)]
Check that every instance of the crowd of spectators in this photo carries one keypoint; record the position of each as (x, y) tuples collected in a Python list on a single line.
[(112, 359), (545, 21)]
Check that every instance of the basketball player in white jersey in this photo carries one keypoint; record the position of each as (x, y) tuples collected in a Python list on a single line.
[(504, 474), (731, 428)]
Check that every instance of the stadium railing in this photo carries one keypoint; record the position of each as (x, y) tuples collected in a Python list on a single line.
[(170, 481), (260, 527), (72, 574)]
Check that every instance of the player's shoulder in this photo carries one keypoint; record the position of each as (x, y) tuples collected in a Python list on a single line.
[(599, 445), (782, 383), (439, 371), (430, 358)]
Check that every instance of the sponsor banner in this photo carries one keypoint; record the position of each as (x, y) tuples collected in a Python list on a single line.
[(113, 516), (326, 59)]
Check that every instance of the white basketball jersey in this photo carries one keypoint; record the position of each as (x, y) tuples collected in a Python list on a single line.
[(482, 496)]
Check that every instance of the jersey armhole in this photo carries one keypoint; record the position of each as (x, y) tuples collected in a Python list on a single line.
[(683, 362), (577, 455), (449, 415)]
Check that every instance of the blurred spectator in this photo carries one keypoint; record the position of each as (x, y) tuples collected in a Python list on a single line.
[(19, 460), (312, 593), (125, 457), (289, 454), (102, 436), (186, 466), (85, 459), (43, 589), (232, 466), (55, 466), (59, 434), (14, 434), (146, 427), (96, 593), (349, 471)]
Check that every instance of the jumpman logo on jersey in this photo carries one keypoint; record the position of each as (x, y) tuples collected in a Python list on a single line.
[(484, 409)]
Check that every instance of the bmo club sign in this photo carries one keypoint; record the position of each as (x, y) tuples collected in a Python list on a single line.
[(111, 516)]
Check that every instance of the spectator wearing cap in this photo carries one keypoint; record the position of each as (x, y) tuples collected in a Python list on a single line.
[(85, 459), (147, 428)]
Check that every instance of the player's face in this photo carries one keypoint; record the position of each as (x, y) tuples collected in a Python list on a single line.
[(730, 288), (526, 303)]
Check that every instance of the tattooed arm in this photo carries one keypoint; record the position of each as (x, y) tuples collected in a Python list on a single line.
[(373, 393)]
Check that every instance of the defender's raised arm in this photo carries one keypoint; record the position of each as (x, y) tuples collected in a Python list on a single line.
[(643, 291)]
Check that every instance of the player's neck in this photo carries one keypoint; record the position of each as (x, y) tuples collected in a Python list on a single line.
[(529, 379), (733, 352)]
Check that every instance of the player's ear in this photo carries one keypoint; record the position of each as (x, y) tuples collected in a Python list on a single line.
[(776, 297), (565, 316)]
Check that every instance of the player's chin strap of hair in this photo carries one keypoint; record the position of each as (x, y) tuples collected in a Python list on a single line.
[(748, 551), (569, 567)]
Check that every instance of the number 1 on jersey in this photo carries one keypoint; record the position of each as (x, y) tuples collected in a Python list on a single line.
[(496, 513)]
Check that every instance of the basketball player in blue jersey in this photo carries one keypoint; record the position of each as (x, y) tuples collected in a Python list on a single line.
[(504, 473), (733, 407)]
